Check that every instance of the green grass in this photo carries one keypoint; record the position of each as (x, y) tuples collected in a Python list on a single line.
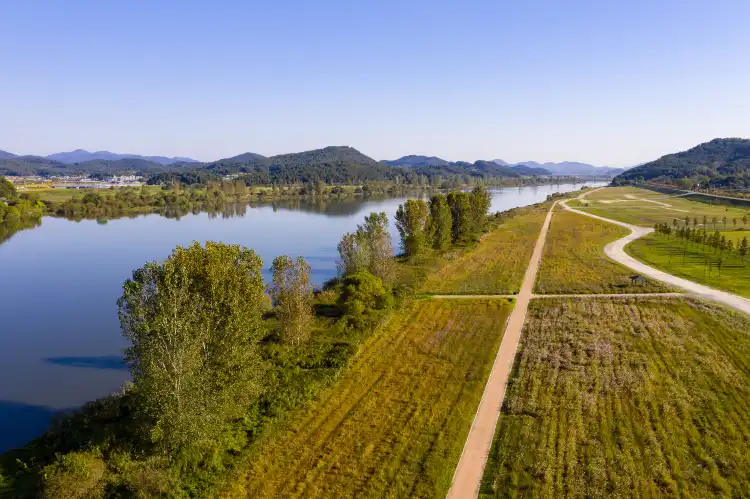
[(612, 202), (574, 259), (497, 264), (626, 398), (693, 262), (395, 424)]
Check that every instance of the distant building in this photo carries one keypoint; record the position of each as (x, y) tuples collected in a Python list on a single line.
[(124, 179)]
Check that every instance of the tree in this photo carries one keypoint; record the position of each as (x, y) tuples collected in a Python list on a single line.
[(354, 253), (480, 201), (375, 232), (194, 323), (461, 216), (411, 222), (292, 295), (439, 222), (364, 292), (743, 248), (368, 248), (7, 190)]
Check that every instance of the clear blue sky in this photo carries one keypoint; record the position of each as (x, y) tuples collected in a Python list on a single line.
[(600, 81)]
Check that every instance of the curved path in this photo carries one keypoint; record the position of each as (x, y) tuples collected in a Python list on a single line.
[(616, 251)]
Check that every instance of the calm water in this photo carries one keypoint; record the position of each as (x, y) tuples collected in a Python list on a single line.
[(60, 343)]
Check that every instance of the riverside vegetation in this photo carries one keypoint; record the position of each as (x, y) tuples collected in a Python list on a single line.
[(218, 367)]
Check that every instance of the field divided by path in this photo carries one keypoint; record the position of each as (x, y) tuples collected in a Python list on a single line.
[(497, 265), (574, 259), (634, 397), (394, 425)]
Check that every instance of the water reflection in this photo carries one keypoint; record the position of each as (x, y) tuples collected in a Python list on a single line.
[(60, 341)]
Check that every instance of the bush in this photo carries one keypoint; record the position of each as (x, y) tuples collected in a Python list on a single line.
[(364, 291), (74, 475)]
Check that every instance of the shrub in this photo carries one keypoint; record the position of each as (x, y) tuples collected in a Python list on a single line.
[(74, 475)]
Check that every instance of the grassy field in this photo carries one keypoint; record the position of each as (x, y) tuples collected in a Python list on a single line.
[(498, 263), (626, 398), (574, 260), (693, 262), (61, 195), (395, 424), (613, 202)]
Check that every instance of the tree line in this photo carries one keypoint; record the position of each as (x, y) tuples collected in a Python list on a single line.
[(459, 217)]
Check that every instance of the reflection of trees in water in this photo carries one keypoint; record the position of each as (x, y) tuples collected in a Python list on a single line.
[(9, 227), (326, 206), (345, 206)]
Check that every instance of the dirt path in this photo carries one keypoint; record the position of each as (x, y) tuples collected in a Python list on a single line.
[(616, 252), (468, 475), (571, 295)]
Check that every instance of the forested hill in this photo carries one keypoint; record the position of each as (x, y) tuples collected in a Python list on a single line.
[(334, 164), (36, 165), (720, 162)]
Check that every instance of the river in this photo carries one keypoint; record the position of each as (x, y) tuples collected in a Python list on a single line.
[(60, 342)]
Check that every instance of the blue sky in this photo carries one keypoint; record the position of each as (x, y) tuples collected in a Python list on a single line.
[(605, 82)]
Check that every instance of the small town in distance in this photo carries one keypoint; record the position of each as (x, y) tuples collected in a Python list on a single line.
[(395, 250)]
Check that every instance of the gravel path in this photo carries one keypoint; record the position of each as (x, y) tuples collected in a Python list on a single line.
[(616, 252), (468, 475)]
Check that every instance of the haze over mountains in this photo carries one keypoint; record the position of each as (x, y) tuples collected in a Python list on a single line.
[(81, 155), (524, 167), (331, 163)]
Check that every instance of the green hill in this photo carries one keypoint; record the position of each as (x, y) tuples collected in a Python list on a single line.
[(718, 163)]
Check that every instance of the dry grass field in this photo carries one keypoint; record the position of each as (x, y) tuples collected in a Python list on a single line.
[(394, 425), (498, 263), (626, 397), (574, 259)]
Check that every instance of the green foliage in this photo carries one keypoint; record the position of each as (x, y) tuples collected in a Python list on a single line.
[(479, 201), (368, 248), (194, 323), (411, 222), (461, 229), (7, 190), (363, 292), (440, 222), (720, 162), (292, 293)]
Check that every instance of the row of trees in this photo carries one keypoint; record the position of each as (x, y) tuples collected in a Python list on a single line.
[(714, 220), (459, 217), (716, 240)]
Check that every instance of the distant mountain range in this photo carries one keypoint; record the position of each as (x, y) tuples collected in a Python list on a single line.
[(572, 168), (332, 164), (522, 168), (81, 156)]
